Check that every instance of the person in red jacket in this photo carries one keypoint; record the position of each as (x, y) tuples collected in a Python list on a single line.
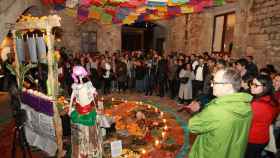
[(264, 109), (276, 85)]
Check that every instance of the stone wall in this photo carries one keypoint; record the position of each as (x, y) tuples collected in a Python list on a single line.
[(177, 34), (108, 36), (193, 33), (257, 30), (198, 33), (264, 32)]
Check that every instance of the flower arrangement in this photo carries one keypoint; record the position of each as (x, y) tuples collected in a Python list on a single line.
[(20, 74), (62, 104)]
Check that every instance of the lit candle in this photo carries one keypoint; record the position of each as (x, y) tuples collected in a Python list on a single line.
[(125, 101), (156, 109), (163, 134), (165, 127), (156, 142), (137, 102), (113, 99), (143, 151), (149, 106), (141, 103), (161, 114), (164, 120)]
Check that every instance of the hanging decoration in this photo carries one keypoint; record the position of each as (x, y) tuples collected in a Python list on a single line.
[(129, 11)]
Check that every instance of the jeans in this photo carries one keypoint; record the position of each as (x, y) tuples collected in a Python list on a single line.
[(254, 150)]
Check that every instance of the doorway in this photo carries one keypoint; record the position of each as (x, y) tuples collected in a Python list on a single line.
[(141, 36)]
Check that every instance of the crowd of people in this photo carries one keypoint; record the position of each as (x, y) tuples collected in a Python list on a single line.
[(234, 104)]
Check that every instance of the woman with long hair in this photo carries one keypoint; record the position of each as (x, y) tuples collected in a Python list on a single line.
[(185, 76), (265, 109)]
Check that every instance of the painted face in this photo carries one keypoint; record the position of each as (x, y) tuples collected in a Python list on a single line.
[(256, 87)]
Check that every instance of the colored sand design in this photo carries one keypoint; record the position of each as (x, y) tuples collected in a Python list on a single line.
[(148, 130)]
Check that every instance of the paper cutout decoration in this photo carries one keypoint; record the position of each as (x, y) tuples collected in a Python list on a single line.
[(130, 11), (83, 13), (71, 3)]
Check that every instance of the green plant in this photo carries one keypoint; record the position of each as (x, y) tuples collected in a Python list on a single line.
[(23, 69)]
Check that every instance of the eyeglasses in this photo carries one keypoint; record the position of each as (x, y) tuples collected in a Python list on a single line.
[(252, 84), (215, 83)]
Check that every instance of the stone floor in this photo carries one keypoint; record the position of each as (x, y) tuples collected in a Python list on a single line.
[(7, 124)]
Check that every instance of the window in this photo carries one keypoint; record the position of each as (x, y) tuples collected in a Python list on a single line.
[(89, 42), (223, 33)]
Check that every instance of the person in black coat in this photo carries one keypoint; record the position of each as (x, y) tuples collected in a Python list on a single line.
[(200, 73), (162, 70)]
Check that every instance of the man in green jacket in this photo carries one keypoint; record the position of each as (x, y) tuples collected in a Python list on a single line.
[(222, 127)]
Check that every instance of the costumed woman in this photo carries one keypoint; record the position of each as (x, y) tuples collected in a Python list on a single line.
[(86, 137)]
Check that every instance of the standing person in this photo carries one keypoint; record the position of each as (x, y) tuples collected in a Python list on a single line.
[(139, 75), (200, 72), (162, 70), (222, 127), (86, 138), (251, 66), (128, 63), (121, 72), (265, 110), (207, 89), (107, 76), (174, 79), (241, 66), (276, 85), (149, 77), (2, 75), (186, 76), (9, 78), (194, 61)]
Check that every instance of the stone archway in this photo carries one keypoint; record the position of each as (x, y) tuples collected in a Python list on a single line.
[(160, 36), (11, 10)]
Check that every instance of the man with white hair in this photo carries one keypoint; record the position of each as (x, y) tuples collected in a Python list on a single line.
[(222, 126)]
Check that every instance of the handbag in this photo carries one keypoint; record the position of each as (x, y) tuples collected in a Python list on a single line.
[(184, 80)]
